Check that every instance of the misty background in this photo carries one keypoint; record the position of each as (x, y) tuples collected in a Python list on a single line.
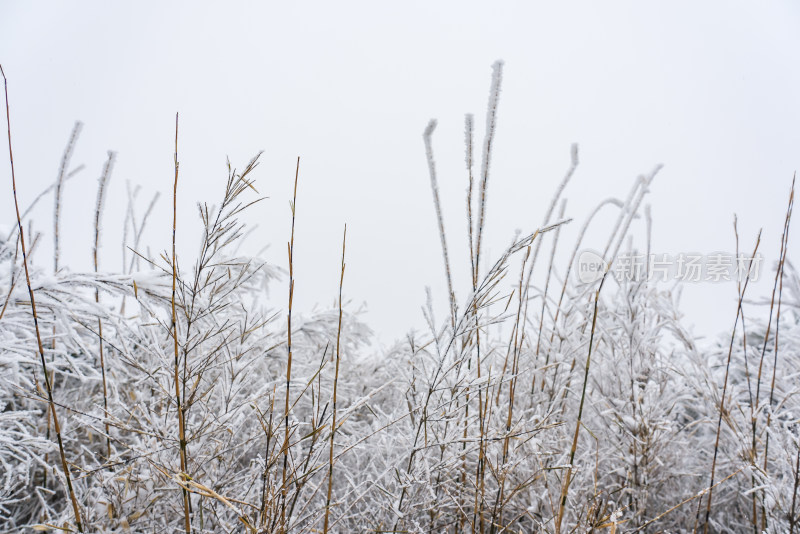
[(709, 90)]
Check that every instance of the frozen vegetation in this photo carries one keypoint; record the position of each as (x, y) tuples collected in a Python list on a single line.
[(186, 397)]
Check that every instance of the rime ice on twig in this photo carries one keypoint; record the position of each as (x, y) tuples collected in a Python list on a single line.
[(437, 204), (63, 171)]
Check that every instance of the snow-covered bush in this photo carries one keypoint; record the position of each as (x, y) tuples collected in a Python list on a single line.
[(540, 403)]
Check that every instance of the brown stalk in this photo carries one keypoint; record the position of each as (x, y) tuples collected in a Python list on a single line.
[(517, 343), (562, 211), (47, 380), (285, 448), (491, 121), (479, 470), (181, 423), (747, 375), (565, 488), (754, 412), (98, 211), (468, 161), (784, 247), (725, 390), (335, 384), (269, 433), (792, 516), (468, 127)]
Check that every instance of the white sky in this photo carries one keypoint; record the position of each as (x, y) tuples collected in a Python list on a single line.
[(710, 90)]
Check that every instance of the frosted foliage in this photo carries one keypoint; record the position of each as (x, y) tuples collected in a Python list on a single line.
[(469, 426)]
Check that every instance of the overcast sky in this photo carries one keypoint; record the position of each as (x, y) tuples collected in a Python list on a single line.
[(709, 89)]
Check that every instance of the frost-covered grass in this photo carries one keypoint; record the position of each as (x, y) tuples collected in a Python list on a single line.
[(538, 404)]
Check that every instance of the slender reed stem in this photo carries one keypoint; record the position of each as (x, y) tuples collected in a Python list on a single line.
[(268, 431), (519, 335), (285, 448), (565, 488), (687, 500), (468, 132), (781, 263), (335, 385), (754, 410), (491, 122), (725, 389), (101, 189), (754, 511), (57, 195), (181, 423), (47, 380), (792, 513), (468, 126), (438, 205)]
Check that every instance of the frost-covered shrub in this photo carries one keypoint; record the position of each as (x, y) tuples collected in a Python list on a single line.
[(539, 403)]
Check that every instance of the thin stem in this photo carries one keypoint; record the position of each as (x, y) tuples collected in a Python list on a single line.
[(491, 122), (181, 423), (438, 205), (285, 448), (47, 381), (62, 174), (725, 390), (101, 189), (784, 247), (792, 515), (335, 384), (565, 487)]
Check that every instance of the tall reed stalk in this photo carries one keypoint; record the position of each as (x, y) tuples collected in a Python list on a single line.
[(725, 388), (335, 387), (285, 448), (187, 522), (568, 477), (63, 171), (47, 380), (101, 191), (779, 281)]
